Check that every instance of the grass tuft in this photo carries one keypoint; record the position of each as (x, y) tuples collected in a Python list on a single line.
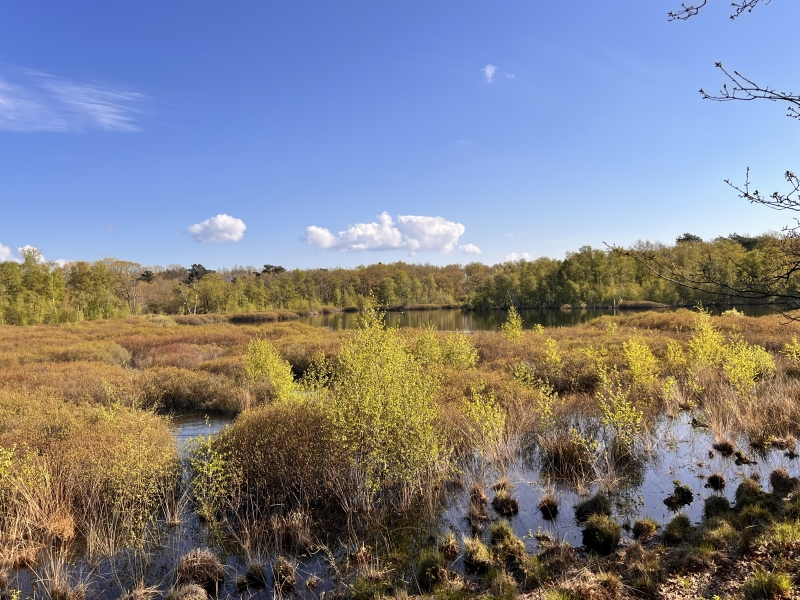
[(599, 504), (202, 568), (505, 503), (716, 482), (763, 585), (644, 529), (601, 534), (678, 530)]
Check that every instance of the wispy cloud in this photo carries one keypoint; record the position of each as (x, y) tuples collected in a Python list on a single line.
[(490, 72), (410, 232), (218, 230), (514, 257), (37, 101)]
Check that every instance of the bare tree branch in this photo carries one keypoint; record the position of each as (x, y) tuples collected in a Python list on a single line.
[(775, 200), (742, 88), (776, 277), (688, 11)]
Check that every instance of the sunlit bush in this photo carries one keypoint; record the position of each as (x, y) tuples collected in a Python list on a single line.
[(263, 363), (486, 419), (383, 408), (458, 352), (745, 364), (620, 415), (512, 327), (642, 363), (66, 471)]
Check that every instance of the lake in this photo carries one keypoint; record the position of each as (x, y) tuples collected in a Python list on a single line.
[(490, 320)]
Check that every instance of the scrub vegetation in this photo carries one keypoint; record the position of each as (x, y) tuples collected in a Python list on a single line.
[(348, 448)]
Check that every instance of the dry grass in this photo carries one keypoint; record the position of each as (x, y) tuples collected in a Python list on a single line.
[(200, 567)]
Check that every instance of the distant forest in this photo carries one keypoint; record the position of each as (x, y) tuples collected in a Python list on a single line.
[(33, 291)]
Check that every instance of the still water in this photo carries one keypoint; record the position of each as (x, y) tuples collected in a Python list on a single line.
[(190, 424), (490, 320), (673, 451)]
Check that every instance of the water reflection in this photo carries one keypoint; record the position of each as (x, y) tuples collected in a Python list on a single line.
[(188, 425), (490, 320)]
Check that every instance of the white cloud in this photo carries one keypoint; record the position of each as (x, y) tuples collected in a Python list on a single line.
[(410, 232), (37, 101), (514, 257), (470, 249), (488, 72), (510, 76), (5, 253), (218, 230), (429, 234)]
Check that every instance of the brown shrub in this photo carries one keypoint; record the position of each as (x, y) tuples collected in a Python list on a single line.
[(174, 388), (285, 454)]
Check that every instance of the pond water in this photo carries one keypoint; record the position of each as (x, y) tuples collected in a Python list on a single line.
[(188, 425), (490, 320), (673, 451)]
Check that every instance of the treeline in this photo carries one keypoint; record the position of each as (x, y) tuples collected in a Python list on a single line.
[(33, 291)]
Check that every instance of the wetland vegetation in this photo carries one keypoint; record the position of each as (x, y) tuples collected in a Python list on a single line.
[(647, 455)]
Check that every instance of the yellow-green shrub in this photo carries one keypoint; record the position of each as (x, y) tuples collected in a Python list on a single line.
[(707, 346), (792, 350), (383, 408), (552, 357), (458, 352), (745, 364), (426, 347), (512, 327), (642, 363), (68, 470), (281, 454), (620, 415), (675, 357), (485, 417), (263, 363)]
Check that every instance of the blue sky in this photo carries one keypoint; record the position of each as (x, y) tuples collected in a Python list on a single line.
[(335, 134)]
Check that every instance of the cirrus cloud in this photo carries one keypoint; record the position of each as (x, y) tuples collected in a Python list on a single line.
[(218, 230), (36, 101), (411, 232)]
